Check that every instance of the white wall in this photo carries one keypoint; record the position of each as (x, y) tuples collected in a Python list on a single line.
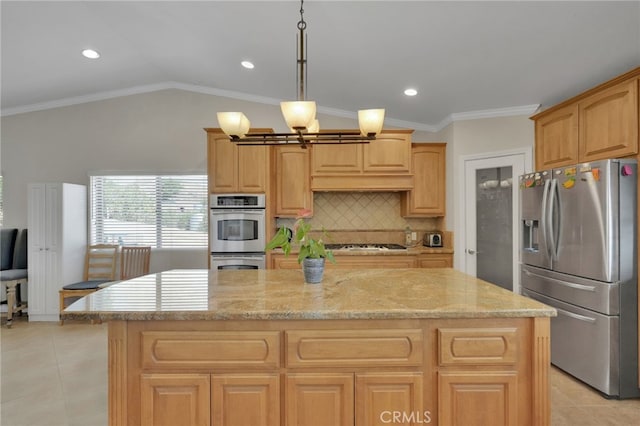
[(163, 132), (157, 132), (478, 137)]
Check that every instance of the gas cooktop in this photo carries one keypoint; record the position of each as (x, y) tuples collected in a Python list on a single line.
[(365, 246)]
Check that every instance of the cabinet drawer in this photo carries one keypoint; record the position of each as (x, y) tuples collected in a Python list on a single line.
[(462, 346), (353, 348), (180, 350)]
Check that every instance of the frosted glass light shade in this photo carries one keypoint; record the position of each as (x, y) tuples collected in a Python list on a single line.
[(370, 121), (314, 127), (234, 123), (298, 114)]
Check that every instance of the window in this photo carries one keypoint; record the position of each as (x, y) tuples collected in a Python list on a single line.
[(158, 211)]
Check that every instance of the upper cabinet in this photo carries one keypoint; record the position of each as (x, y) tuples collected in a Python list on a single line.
[(600, 123), (609, 122), (557, 138), (234, 169), (292, 191), (382, 164), (427, 198)]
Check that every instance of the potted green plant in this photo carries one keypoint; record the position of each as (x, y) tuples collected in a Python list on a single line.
[(312, 252)]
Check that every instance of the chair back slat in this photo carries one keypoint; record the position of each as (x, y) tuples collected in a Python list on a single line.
[(134, 261), (100, 263)]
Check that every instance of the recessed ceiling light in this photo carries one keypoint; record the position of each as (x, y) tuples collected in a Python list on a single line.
[(247, 65), (411, 92), (90, 53)]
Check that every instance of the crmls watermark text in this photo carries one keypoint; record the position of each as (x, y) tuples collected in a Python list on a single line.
[(403, 417)]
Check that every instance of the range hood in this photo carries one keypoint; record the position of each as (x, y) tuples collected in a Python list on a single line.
[(362, 183)]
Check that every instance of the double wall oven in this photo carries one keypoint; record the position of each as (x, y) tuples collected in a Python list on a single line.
[(237, 231)]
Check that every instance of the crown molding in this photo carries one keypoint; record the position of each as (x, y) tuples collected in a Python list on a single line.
[(527, 110), (470, 115)]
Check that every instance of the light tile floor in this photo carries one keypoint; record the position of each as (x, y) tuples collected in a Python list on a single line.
[(52, 375)]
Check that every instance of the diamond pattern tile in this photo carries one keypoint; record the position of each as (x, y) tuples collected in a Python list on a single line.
[(360, 211)]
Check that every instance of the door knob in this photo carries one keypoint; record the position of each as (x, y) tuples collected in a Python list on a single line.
[(471, 251)]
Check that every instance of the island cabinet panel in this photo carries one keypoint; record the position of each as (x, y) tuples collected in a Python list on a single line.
[(387, 398), (609, 123), (320, 399), (252, 399), (292, 186), (353, 348), (175, 399), (441, 371), (427, 198), (477, 346), (235, 169), (206, 349), (471, 398)]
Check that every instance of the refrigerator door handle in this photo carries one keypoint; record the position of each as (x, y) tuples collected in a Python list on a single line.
[(564, 283), (575, 316), (543, 215), (553, 244)]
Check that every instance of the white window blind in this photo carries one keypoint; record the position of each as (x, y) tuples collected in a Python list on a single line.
[(154, 210)]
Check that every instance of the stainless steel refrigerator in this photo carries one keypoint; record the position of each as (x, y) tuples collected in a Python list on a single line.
[(579, 255)]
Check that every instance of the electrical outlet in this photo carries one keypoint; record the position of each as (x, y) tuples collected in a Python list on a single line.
[(414, 236)]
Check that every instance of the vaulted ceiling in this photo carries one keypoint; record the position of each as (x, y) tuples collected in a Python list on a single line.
[(463, 57)]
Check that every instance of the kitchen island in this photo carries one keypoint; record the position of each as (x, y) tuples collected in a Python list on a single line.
[(364, 347)]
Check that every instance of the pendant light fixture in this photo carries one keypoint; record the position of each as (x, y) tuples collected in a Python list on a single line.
[(300, 115)]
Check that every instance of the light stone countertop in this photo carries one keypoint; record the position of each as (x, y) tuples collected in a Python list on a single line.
[(193, 294)]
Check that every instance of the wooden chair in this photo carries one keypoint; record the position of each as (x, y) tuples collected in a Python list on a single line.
[(134, 261), (99, 267)]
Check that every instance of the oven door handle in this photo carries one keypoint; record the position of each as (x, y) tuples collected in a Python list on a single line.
[(226, 212)]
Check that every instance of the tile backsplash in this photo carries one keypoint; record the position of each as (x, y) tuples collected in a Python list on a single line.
[(356, 211)]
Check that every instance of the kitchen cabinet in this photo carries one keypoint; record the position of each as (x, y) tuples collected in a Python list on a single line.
[(382, 164), (292, 186), (57, 242), (609, 123), (557, 138), (427, 198), (597, 124), (435, 260), (490, 371), (320, 399), (424, 260), (203, 399), (235, 169)]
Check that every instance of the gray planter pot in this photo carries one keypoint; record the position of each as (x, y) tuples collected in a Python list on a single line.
[(313, 270)]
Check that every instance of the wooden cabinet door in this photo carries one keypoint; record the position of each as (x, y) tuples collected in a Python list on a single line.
[(245, 399), (175, 399), (389, 153), (319, 399), (435, 261), (293, 189), (609, 123), (380, 396), (222, 156), (427, 199), (478, 398), (372, 262), (280, 261), (252, 168), (557, 138), (336, 159)]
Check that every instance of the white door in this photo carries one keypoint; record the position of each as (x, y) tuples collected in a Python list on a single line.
[(491, 210)]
